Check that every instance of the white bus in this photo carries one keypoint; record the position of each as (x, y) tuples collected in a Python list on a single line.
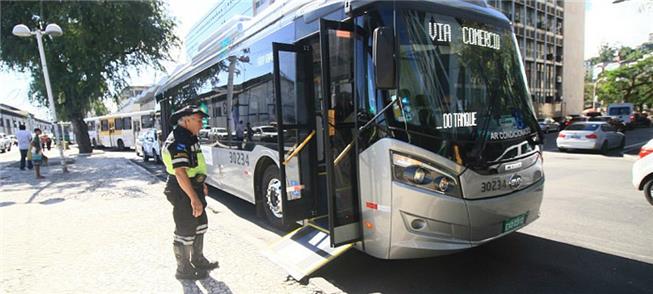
[(405, 129), (120, 130)]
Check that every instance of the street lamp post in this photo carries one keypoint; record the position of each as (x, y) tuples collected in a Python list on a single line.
[(54, 30)]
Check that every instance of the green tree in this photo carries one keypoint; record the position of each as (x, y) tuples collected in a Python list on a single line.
[(632, 82), (102, 41)]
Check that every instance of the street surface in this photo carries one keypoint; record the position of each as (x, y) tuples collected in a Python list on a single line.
[(594, 236)]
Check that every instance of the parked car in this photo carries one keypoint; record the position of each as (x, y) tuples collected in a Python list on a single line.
[(13, 139), (548, 125), (265, 133), (149, 146), (615, 122), (5, 143), (643, 171), (590, 136), (573, 119), (640, 120)]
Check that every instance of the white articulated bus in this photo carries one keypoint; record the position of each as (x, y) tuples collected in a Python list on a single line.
[(404, 129), (119, 130)]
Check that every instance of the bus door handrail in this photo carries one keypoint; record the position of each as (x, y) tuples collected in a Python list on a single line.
[(299, 148), (365, 126)]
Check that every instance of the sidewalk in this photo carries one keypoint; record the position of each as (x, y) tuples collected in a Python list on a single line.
[(106, 227)]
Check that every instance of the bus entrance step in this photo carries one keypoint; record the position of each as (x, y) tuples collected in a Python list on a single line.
[(303, 251)]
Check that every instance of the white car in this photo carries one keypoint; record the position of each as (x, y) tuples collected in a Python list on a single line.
[(149, 146), (590, 135), (5, 143), (643, 171), (265, 133)]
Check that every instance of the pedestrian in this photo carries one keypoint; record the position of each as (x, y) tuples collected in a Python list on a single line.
[(48, 143), (36, 153), (24, 139), (240, 130), (250, 133), (186, 191)]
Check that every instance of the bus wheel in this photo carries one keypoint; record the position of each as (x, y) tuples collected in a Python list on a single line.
[(271, 198), (121, 145)]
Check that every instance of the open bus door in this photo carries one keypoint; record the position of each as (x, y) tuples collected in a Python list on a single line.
[(310, 247)]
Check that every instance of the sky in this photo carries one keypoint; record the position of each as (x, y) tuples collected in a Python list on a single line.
[(628, 23)]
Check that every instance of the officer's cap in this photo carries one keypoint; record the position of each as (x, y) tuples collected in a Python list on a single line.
[(187, 110)]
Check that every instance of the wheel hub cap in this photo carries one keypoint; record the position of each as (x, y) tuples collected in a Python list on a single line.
[(273, 198)]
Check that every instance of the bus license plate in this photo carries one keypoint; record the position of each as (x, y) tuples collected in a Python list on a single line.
[(513, 223)]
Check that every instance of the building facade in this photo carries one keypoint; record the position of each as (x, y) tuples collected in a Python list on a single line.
[(207, 26), (550, 35), (11, 118)]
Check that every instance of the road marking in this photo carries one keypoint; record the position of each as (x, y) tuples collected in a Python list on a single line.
[(633, 146)]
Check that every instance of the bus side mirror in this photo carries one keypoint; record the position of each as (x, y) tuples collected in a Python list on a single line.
[(383, 58)]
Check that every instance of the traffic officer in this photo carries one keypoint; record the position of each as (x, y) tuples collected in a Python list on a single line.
[(186, 190)]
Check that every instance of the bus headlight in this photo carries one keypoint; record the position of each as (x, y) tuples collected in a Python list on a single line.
[(423, 174)]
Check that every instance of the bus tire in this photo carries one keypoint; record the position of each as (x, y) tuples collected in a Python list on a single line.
[(121, 144), (271, 196)]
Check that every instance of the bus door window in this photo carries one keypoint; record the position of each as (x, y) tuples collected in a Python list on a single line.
[(340, 124)]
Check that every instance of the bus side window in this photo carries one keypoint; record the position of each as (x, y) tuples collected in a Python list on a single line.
[(104, 125), (118, 124), (127, 123)]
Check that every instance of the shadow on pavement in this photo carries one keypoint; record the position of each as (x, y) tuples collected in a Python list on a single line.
[(517, 263), (240, 207), (210, 285), (244, 210)]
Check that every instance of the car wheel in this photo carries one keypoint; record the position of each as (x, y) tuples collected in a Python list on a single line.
[(604, 147), (146, 157), (271, 196), (648, 191), (156, 156)]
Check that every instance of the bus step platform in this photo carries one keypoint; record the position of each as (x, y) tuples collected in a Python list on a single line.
[(304, 251)]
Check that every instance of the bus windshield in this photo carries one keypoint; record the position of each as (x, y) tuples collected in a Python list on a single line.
[(462, 84)]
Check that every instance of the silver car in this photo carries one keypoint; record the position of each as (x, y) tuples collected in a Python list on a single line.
[(548, 125), (591, 135)]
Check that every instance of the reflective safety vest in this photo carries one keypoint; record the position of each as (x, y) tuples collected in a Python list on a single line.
[(178, 152)]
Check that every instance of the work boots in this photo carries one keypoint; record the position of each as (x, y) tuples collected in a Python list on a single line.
[(198, 260), (186, 271)]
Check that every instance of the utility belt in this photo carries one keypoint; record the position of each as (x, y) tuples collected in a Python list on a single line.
[(196, 181)]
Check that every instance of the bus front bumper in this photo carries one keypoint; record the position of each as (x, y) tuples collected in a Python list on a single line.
[(427, 224)]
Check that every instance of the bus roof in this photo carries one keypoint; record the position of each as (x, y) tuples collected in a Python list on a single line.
[(126, 114), (280, 14)]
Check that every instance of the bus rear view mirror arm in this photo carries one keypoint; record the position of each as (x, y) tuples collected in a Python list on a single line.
[(384, 59)]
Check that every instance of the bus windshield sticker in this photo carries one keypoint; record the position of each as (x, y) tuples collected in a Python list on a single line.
[(458, 120)]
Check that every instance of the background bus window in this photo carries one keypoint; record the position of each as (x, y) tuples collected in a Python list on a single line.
[(104, 124), (118, 124), (127, 123)]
